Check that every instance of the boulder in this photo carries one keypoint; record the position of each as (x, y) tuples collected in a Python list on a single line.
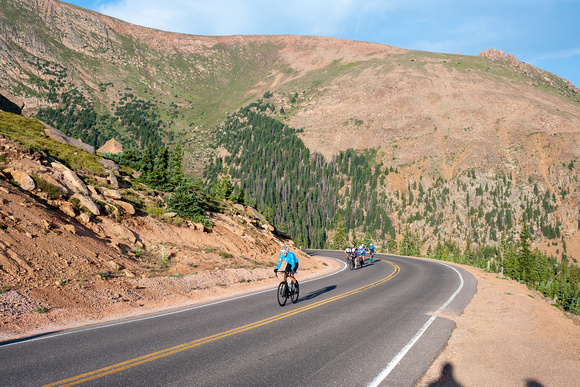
[(256, 214), (111, 193), (112, 179), (114, 265), (95, 195), (22, 178), (51, 180), (85, 218), (70, 179), (68, 209), (109, 164), (127, 207), (88, 203)]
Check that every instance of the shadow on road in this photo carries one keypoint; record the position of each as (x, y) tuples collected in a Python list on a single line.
[(319, 292), (27, 338)]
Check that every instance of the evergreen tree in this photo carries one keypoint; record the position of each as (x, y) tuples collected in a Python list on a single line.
[(159, 178), (187, 201), (177, 175), (224, 188), (339, 241), (148, 161), (525, 256)]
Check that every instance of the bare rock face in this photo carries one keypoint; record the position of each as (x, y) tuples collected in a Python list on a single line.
[(495, 54), (111, 146), (9, 103), (59, 136)]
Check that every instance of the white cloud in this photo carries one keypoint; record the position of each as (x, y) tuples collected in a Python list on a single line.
[(231, 17), (562, 54)]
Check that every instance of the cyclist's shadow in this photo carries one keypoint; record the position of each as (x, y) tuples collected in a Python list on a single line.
[(318, 292)]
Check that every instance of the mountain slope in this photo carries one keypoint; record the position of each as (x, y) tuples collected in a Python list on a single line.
[(485, 142)]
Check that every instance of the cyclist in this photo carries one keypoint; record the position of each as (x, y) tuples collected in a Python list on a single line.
[(372, 251), (347, 252), (291, 264), (361, 254)]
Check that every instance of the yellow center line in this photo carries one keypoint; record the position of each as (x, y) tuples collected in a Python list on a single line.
[(196, 343)]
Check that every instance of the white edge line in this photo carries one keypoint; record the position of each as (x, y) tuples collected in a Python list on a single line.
[(50, 336), (393, 363)]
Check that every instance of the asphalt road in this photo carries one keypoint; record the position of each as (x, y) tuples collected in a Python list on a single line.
[(382, 324)]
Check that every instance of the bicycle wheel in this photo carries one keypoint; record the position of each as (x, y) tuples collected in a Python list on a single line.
[(351, 264), (282, 293), (295, 292)]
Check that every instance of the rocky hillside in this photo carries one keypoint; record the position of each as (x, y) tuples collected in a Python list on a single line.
[(459, 126), (79, 236)]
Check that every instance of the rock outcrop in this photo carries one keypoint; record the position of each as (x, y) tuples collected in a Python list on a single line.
[(59, 136), (9, 103), (495, 54), (111, 146)]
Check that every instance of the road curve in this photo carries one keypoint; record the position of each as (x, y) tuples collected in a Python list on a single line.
[(382, 324)]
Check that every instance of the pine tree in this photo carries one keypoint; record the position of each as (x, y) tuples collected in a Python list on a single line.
[(177, 175), (339, 241), (525, 255), (224, 187), (158, 178)]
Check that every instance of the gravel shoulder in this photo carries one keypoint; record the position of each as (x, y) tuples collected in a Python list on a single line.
[(508, 336)]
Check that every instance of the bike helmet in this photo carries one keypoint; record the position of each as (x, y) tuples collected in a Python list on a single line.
[(362, 247), (284, 250)]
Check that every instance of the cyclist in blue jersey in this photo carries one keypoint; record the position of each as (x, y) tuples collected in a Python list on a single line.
[(291, 264), (372, 251), (361, 253)]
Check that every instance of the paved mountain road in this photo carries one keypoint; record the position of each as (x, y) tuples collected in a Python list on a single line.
[(381, 322)]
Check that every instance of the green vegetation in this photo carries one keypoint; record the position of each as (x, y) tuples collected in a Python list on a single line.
[(30, 133), (300, 192), (135, 121), (559, 281)]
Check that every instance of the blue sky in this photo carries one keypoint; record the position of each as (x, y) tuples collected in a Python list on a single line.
[(543, 33)]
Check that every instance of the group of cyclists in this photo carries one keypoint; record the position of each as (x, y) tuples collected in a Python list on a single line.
[(358, 254)]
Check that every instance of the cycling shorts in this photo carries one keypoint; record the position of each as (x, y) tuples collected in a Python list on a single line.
[(289, 268)]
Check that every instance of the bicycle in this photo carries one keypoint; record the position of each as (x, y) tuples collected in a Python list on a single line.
[(351, 261), (284, 291), (361, 260), (372, 255)]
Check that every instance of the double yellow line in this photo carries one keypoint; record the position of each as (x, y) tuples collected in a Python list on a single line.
[(196, 343)]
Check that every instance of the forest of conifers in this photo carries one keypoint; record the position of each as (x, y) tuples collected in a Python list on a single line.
[(300, 191)]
